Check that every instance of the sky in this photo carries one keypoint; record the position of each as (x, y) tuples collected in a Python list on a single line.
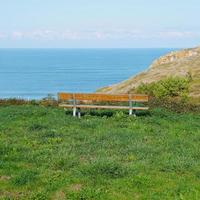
[(99, 23)]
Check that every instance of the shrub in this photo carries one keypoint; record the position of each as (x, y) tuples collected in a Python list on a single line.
[(169, 87), (174, 104), (12, 101), (50, 100)]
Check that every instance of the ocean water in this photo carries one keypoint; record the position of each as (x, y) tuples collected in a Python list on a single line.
[(34, 73)]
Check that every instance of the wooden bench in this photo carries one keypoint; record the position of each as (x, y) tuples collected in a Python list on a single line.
[(80, 101)]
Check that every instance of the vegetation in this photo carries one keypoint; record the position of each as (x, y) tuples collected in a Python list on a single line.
[(178, 105), (171, 93), (47, 154), (165, 88)]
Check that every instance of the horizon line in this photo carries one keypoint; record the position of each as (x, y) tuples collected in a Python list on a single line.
[(96, 47)]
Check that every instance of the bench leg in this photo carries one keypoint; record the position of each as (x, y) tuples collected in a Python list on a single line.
[(132, 112), (79, 113), (74, 111)]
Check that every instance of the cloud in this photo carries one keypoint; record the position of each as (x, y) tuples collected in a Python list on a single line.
[(178, 34), (36, 34), (17, 35), (109, 34), (70, 35), (2, 35)]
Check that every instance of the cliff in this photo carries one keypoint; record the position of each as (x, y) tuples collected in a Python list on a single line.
[(177, 63)]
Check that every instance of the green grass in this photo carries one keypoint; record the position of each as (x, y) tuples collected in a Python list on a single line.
[(46, 154)]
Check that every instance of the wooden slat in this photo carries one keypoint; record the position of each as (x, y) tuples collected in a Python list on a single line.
[(139, 98), (65, 96), (103, 107), (103, 97)]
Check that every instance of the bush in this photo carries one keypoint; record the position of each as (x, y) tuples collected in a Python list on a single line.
[(175, 105), (169, 87), (13, 101), (50, 100)]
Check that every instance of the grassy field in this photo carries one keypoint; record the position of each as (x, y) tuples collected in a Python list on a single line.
[(46, 154)]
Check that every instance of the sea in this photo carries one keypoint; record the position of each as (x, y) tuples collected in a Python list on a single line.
[(37, 73)]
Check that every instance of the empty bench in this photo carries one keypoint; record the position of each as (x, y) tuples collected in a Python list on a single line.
[(78, 101)]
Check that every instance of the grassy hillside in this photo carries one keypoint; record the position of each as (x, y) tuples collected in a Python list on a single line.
[(46, 154), (180, 63)]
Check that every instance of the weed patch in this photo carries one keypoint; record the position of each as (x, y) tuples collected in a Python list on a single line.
[(107, 168), (26, 177)]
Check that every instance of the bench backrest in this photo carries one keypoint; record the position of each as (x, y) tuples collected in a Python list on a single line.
[(102, 97)]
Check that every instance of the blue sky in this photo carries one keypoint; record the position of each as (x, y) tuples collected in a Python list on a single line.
[(99, 23)]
